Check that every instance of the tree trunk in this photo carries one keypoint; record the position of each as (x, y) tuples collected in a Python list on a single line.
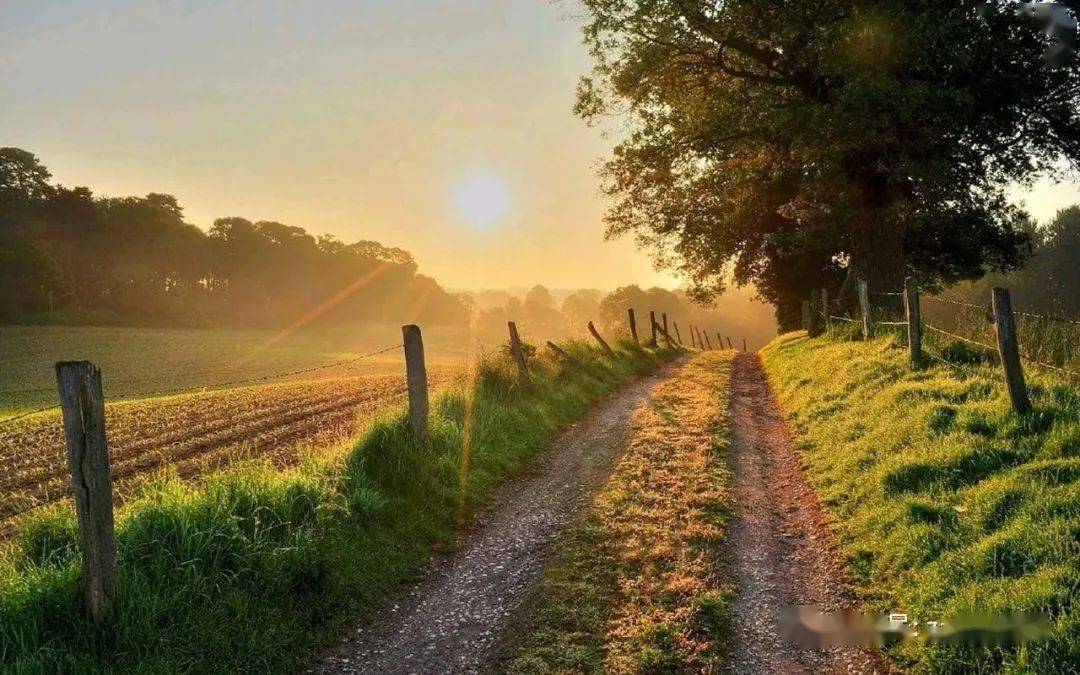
[(878, 255)]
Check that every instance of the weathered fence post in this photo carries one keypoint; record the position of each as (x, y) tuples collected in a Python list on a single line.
[(744, 344), (729, 344), (1009, 349), (416, 380), (825, 308), (607, 348), (558, 351), (914, 324), (663, 322), (652, 326), (864, 307), (83, 406), (708, 341), (719, 340), (633, 324), (700, 341), (518, 352), (806, 315), (678, 335)]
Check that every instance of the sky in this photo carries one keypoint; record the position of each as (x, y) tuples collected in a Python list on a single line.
[(441, 126)]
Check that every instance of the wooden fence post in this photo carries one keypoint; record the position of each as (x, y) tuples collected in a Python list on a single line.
[(864, 307), (719, 340), (416, 379), (806, 315), (607, 348), (558, 351), (700, 342), (1009, 349), (83, 406), (678, 335), (652, 326), (914, 324), (825, 308), (663, 322), (744, 344), (518, 352), (708, 341), (729, 344), (633, 324)]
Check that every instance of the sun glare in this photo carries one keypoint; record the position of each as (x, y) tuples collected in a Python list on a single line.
[(482, 200)]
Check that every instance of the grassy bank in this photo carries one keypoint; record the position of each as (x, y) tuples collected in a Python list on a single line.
[(945, 501), (255, 568), (637, 585)]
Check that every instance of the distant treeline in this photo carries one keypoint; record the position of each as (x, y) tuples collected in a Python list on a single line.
[(538, 312), (66, 253)]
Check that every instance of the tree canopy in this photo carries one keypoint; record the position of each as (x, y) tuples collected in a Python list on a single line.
[(66, 249), (794, 144)]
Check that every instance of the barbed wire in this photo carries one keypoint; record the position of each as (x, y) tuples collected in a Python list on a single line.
[(842, 318), (954, 302), (215, 385), (958, 366), (1066, 371), (1049, 317), (959, 337)]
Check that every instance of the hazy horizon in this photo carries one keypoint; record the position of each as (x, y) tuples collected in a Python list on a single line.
[(442, 127)]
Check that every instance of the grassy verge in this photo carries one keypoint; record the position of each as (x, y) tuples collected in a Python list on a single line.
[(637, 586), (945, 500), (255, 568)]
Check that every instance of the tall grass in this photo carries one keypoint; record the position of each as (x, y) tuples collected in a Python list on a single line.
[(945, 500), (257, 567)]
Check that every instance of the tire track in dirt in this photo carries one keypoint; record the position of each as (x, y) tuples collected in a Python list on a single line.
[(454, 620), (783, 552)]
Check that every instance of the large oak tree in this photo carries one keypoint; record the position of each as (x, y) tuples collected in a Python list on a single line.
[(796, 143)]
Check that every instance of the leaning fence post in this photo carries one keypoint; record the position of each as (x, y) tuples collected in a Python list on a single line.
[(825, 308), (416, 379), (744, 344), (914, 325), (83, 406), (678, 335), (1009, 349), (708, 341), (663, 322), (652, 326), (633, 324), (607, 348), (719, 340), (700, 342), (558, 351), (729, 344), (864, 307), (518, 352)]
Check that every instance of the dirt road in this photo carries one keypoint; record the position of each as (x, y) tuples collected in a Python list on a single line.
[(783, 552), (451, 622)]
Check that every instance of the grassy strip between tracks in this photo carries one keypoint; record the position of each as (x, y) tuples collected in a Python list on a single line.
[(638, 584), (945, 500), (256, 568)]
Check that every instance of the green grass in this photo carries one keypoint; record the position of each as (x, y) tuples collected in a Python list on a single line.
[(944, 499), (630, 591), (255, 568)]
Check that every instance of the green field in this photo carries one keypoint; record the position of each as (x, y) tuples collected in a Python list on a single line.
[(139, 362)]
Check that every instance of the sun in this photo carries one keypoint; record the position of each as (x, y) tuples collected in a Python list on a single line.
[(482, 199)]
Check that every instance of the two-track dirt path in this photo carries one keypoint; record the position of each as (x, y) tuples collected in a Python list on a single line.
[(782, 550), (454, 620)]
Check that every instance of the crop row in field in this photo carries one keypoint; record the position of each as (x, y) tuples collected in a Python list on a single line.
[(196, 431)]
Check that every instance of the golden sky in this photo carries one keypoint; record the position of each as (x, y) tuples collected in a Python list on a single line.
[(441, 126)]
